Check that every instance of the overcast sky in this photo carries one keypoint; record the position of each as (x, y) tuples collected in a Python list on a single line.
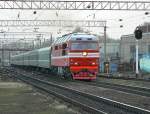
[(131, 19)]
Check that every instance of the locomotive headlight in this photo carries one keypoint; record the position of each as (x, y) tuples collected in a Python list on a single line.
[(84, 53), (76, 63), (93, 63)]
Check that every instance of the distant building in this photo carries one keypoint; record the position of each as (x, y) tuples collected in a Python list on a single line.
[(128, 47), (145, 27), (112, 49), (112, 53), (124, 50)]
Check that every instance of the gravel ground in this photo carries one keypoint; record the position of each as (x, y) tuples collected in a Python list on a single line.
[(131, 99), (19, 98), (125, 82), (145, 76)]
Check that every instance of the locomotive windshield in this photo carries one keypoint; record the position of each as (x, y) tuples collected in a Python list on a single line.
[(84, 46)]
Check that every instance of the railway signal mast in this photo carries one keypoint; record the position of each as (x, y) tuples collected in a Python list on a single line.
[(138, 36)]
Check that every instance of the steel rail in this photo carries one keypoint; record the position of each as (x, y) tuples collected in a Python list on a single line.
[(143, 91), (53, 92), (123, 78)]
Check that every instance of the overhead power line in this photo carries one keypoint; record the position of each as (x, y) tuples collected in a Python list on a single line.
[(74, 5), (62, 23)]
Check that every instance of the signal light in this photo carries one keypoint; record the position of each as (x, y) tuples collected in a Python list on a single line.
[(138, 33)]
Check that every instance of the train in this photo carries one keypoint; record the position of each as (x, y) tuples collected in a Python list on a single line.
[(74, 55)]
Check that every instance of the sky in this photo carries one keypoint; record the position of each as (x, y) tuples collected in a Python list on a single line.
[(130, 19)]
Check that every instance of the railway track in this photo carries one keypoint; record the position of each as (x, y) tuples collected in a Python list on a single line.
[(128, 89), (110, 76), (143, 91), (88, 102)]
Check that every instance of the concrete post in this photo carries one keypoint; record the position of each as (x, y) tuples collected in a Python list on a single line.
[(105, 44)]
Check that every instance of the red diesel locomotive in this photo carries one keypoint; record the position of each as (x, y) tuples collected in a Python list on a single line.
[(76, 55)]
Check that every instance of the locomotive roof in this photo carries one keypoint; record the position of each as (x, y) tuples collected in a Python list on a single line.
[(75, 37)]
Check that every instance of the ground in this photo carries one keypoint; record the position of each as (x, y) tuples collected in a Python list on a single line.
[(135, 83), (19, 98)]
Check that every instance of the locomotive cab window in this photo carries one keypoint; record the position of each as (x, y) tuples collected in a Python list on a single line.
[(84, 46), (64, 46)]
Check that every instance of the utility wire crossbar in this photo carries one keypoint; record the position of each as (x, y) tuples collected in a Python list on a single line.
[(62, 23), (74, 5)]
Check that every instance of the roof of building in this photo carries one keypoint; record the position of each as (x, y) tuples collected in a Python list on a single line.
[(132, 35)]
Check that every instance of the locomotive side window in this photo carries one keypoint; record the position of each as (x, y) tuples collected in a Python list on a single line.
[(59, 46), (64, 46), (56, 47)]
